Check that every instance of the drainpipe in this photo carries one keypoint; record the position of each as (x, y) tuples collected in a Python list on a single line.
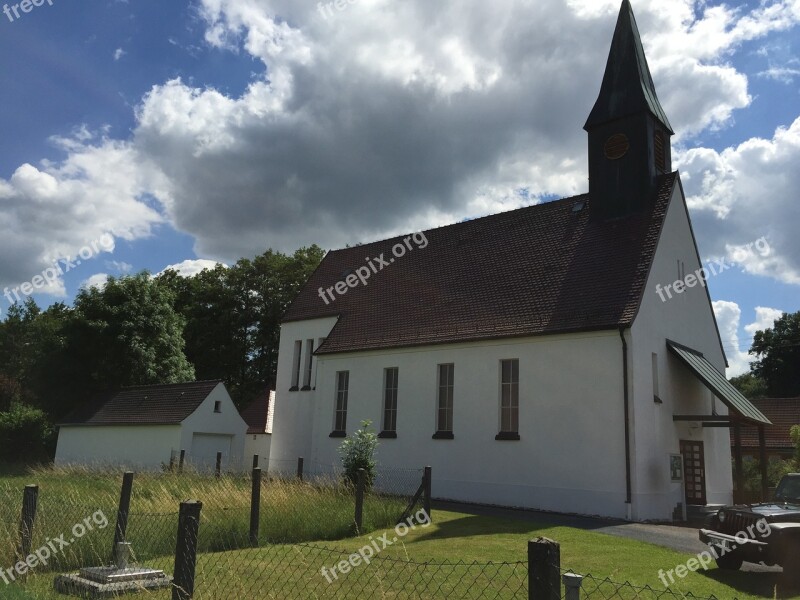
[(626, 395)]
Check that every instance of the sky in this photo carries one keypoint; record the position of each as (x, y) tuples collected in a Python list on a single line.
[(143, 134)]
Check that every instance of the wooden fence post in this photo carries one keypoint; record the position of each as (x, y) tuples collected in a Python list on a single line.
[(300, 468), (255, 507), (181, 461), (186, 550), (360, 485), (30, 498), (123, 511), (218, 468), (572, 586), (426, 498), (544, 570)]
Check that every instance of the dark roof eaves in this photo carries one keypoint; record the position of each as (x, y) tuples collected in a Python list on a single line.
[(625, 323)]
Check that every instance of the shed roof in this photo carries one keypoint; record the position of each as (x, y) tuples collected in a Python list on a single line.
[(168, 404)]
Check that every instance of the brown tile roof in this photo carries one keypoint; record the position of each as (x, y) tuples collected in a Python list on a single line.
[(258, 414), (784, 413), (536, 270), (143, 405)]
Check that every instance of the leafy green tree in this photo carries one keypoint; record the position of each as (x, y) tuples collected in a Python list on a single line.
[(126, 333), (778, 356), (358, 452), (26, 434), (750, 386), (233, 316)]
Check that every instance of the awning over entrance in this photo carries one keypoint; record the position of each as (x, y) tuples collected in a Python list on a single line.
[(716, 382)]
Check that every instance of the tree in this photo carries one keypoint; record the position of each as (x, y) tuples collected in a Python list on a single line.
[(778, 353), (126, 333), (750, 386), (233, 316), (25, 434)]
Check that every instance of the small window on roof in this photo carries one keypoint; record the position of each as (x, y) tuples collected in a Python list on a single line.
[(217, 406)]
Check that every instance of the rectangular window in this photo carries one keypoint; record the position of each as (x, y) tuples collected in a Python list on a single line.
[(509, 399), (390, 378), (309, 364), (298, 351), (656, 396), (444, 404), (217, 406), (340, 413)]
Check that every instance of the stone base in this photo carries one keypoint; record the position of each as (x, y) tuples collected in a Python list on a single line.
[(109, 582)]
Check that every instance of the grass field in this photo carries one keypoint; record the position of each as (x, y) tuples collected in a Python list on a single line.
[(429, 562)]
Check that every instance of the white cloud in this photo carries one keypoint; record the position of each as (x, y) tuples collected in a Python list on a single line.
[(745, 193), (190, 268), (55, 210), (736, 349), (97, 280), (119, 53)]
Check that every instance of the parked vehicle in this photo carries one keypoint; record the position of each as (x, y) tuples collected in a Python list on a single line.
[(767, 533)]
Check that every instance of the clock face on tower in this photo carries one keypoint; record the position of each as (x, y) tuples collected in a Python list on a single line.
[(616, 146)]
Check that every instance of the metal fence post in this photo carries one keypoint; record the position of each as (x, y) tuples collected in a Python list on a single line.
[(218, 468), (360, 485), (30, 498), (572, 585), (255, 507), (186, 550), (426, 499), (123, 511), (300, 468), (544, 569), (181, 461)]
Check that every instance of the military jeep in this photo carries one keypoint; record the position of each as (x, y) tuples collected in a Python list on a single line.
[(767, 533)]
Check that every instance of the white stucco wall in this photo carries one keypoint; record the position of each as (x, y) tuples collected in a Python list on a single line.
[(136, 446), (292, 427), (571, 453), (686, 318), (258, 443), (227, 422)]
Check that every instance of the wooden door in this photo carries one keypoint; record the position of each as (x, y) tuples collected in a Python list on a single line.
[(694, 472)]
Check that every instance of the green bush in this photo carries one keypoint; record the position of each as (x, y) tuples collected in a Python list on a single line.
[(26, 434), (358, 452)]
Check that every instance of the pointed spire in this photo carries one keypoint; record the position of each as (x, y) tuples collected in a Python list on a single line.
[(627, 84)]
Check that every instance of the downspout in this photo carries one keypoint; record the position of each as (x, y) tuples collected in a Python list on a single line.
[(626, 395)]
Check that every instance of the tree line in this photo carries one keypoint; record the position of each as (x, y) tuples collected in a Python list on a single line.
[(223, 323)]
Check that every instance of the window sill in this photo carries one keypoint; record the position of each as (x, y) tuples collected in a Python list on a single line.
[(294, 388), (338, 434), (507, 436), (444, 435), (388, 435)]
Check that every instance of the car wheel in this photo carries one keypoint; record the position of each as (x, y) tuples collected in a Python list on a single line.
[(730, 561)]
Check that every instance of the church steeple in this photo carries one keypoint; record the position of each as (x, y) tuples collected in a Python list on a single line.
[(628, 129)]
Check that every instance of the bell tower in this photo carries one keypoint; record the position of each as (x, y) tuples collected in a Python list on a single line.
[(629, 133)]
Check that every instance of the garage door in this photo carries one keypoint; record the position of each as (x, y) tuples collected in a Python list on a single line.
[(205, 447)]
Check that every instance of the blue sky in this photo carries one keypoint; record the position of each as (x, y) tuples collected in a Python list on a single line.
[(210, 130)]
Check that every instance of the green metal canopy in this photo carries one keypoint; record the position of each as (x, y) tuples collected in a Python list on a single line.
[(716, 382)]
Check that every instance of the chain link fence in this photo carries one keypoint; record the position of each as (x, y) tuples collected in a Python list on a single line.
[(289, 571)]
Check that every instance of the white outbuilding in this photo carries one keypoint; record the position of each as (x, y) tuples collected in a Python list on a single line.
[(147, 426)]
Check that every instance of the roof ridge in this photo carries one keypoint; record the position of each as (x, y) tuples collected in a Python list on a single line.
[(467, 221)]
